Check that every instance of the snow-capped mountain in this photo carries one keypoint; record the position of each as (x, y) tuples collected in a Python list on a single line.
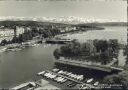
[(62, 19)]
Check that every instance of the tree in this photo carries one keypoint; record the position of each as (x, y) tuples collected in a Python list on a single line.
[(56, 53), (4, 42), (121, 78), (126, 54)]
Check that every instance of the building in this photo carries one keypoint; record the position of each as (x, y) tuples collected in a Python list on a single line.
[(20, 30), (8, 34)]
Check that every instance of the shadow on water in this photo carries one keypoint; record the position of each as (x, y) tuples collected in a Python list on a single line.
[(88, 73)]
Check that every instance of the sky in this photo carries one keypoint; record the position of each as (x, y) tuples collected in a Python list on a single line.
[(116, 10)]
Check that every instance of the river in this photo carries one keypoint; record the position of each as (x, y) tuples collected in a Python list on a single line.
[(20, 66)]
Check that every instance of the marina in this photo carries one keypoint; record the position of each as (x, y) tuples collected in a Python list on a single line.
[(60, 78)]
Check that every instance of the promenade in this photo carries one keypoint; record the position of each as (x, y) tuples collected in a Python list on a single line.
[(89, 65)]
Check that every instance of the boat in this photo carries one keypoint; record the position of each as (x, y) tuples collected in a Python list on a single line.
[(25, 86), (3, 50), (41, 73), (90, 80)]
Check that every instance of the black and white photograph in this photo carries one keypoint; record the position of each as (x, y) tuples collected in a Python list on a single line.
[(63, 44)]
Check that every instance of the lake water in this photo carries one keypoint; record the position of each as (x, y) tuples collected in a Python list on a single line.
[(20, 66), (112, 32), (17, 67)]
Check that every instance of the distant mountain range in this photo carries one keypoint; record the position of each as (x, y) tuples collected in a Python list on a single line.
[(67, 20)]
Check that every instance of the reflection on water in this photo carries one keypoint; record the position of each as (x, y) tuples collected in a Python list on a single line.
[(20, 66)]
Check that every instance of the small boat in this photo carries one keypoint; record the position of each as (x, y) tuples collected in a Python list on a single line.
[(22, 86), (2, 50), (41, 73), (90, 80), (96, 83)]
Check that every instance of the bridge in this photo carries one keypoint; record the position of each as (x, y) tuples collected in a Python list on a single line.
[(58, 41), (89, 65)]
